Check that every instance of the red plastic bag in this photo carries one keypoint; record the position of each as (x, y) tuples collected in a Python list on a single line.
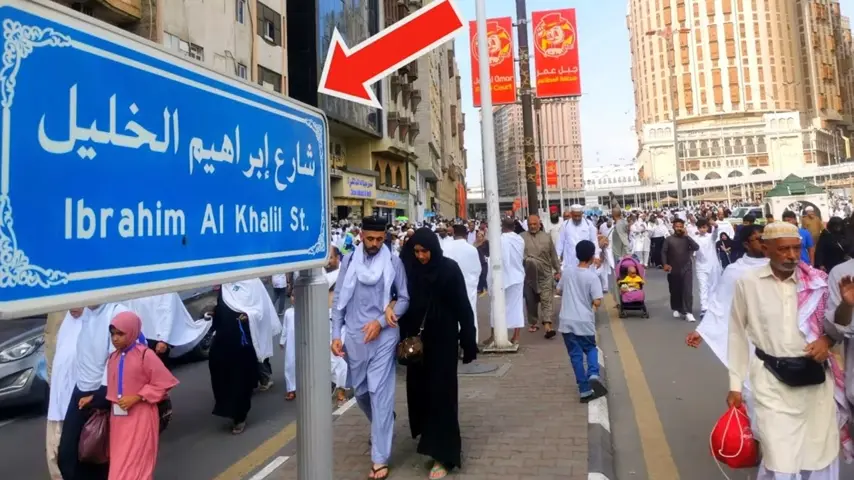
[(732, 442), (95, 438)]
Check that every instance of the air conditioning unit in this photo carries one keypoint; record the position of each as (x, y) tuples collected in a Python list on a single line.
[(269, 86)]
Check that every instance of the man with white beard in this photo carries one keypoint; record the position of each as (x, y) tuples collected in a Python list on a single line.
[(574, 231), (513, 254), (466, 256)]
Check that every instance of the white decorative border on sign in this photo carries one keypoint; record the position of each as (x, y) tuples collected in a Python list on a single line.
[(15, 267)]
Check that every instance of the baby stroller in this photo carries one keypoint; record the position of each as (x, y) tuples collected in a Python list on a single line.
[(634, 300)]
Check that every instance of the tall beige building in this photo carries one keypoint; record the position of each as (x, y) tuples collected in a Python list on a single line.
[(440, 148), (561, 139), (761, 87)]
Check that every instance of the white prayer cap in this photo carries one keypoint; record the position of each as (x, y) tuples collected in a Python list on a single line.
[(576, 208), (809, 209), (776, 230)]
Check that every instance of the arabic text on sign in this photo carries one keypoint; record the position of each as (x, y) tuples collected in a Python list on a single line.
[(83, 221)]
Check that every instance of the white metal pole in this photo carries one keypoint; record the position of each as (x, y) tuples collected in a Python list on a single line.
[(314, 423), (490, 174)]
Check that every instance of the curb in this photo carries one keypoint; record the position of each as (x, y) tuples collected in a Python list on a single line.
[(600, 445), (600, 449)]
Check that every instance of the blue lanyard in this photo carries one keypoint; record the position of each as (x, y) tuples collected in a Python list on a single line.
[(243, 340), (141, 340)]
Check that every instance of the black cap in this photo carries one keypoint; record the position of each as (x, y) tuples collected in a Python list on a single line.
[(374, 224)]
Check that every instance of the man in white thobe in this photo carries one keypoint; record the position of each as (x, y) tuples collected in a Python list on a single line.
[(167, 325), (363, 294), (553, 227), (466, 256), (707, 267), (796, 424), (512, 262), (574, 231)]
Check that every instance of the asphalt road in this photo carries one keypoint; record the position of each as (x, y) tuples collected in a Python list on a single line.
[(664, 396), (196, 446)]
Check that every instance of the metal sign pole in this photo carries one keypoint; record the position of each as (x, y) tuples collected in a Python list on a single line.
[(314, 423)]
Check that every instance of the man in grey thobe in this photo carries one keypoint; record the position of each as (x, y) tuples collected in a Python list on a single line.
[(620, 240), (362, 294)]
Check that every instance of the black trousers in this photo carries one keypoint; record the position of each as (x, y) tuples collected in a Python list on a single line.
[(655, 245), (69, 442), (164, 357), (681, 286)]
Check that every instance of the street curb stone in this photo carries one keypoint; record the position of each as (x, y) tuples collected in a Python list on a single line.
[(600, 447)]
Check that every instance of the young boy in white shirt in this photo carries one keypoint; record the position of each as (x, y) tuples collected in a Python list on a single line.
[(581, 294)]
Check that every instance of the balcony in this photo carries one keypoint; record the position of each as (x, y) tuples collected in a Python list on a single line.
[(116, 12), (415, 4), (405, 91), (392, 120), (413, 71), (429, 168), (414, 130), (415, 99)]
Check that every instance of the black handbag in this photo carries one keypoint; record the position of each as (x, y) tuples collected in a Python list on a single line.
[(410, 350), (794, 371)]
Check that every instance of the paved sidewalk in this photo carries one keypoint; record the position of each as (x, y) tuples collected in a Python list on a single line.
[(523, 421)]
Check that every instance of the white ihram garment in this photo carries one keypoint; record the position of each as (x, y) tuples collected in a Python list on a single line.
[(513, 253), (707, 268), (166, 319), (468, 259), (288, 340), (714, 328), (251, 297)]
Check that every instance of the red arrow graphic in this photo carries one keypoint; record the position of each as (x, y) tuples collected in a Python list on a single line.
[(348, 73)]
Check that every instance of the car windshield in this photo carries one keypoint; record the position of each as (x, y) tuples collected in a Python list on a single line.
[(740, 212)]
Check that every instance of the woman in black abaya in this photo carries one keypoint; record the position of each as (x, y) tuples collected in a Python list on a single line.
[(439, 300)]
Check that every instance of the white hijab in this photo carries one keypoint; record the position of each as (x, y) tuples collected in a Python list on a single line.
[(251, 297), (367, 274), (63, 376)]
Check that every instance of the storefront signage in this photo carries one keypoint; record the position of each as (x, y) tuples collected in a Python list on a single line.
[(355, 186)]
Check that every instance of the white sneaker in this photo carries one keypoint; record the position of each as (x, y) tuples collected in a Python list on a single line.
[(690, 317), (676, 314)]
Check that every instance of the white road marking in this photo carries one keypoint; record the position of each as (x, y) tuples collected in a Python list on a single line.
[(6, 422), (270, 468), (343, 408), (596, 476)]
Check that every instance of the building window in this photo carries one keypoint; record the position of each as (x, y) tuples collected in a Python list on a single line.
[(269, 24), (197, 53), (239, 11), (269, 79), (241, 71), (172, 42)]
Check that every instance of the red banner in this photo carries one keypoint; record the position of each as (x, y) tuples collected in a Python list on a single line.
[(539, 177), (551, 173), (556, 53), (502, 67)]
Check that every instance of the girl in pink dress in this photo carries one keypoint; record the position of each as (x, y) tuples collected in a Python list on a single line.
[(136, 381)]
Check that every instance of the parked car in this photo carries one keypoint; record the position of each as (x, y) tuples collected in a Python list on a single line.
[(22, 358), (739, 213)]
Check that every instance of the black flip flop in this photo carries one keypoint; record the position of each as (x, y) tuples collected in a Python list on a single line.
[(375, 471), (550, 334)]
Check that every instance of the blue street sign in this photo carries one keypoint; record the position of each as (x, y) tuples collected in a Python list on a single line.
[(126, 171)]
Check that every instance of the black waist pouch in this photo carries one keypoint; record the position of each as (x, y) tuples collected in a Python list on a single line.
[(794, 371)]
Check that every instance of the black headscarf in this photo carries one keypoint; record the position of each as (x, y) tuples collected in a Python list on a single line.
[(421, 275)]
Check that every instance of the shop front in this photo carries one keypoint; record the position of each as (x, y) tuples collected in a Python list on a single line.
[(391, 205), (353, 196)]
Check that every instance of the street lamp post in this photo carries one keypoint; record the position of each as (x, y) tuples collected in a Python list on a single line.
[(667, 34)]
